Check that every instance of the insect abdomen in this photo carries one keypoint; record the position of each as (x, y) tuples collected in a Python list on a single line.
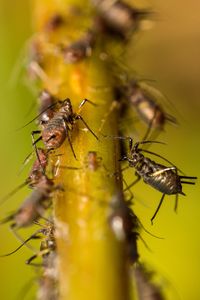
[(167, 182), (54, 133)]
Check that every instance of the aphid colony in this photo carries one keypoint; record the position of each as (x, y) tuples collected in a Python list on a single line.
[(57, 120)]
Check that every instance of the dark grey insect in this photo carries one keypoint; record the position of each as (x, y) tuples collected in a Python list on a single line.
[(58, 128), (80, 49), (118, 17), (126, 226), (162, 178)]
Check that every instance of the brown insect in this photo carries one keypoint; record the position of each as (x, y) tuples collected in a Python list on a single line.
[(162, 178), (34, 205), (118, 17), (47, 246), (93, 161), (54, 22), (37, 171), (146, 288), (58, 128), (80, 49), (46, 103), (147, 108)]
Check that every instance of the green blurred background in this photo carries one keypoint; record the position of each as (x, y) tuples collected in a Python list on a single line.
[(169, 53)]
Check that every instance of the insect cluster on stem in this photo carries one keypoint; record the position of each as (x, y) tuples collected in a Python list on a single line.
[(114, 21)]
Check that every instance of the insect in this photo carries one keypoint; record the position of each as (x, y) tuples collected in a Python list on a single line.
[(126, 225), (47, 246), (57, 129), (34, 205), (37, 171), (80, 49), (48, 288), (147, 289), (147, 108), (46, 103), (162, 178), (54, 22), (118, 17), (93, 161), (122, 222)]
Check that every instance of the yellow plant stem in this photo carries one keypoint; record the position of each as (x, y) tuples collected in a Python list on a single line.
[(92, 262)]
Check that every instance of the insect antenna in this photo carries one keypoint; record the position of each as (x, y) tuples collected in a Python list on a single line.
[(13, 192), (142, 226), (7, 219), (34, 236), (145, 244), (50, 106), (153, 153)]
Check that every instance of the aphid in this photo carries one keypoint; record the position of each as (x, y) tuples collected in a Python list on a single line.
[(46, 107), (47, 246), (58, 128), (37, 171), (126, 225), (54, 22), (123, 223), (80, 49), (34, 205), (146, 289), (147, 108), (118, 17), (48, 287), (93, 161), (162, 178)]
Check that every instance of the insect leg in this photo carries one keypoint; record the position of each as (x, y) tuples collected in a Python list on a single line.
[(157, 209), (34, 236), (40, 253), (176, 203), (83, 102), (133, 183), (70, 143), (131, 194), (34, 143), (150, 125), (80, 118)]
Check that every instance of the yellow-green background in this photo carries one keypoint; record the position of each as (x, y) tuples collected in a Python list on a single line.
[(168, 53)]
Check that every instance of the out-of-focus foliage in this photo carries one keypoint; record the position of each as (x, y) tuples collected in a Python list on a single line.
[(168, 53)]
